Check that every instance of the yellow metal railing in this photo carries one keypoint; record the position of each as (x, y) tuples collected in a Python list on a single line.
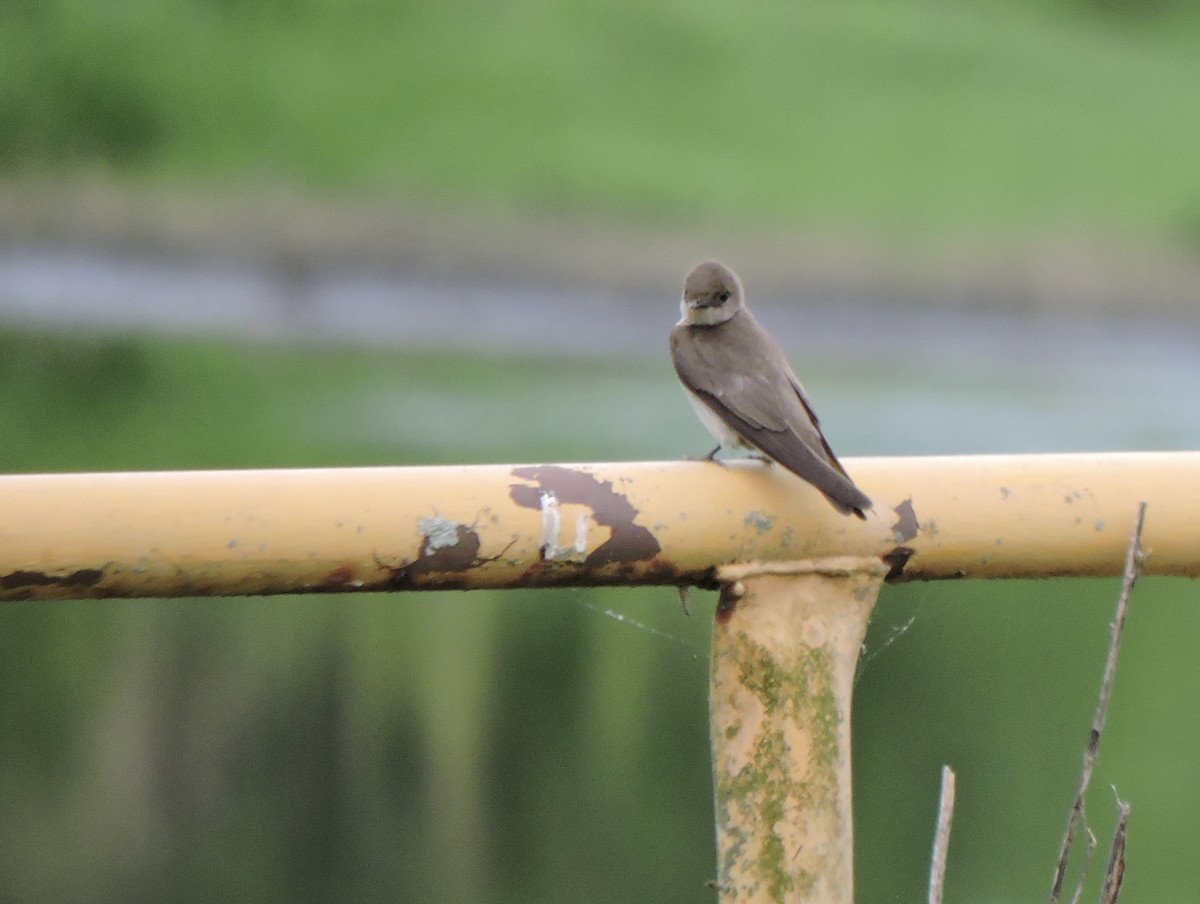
[(797, 580), (296, 531)]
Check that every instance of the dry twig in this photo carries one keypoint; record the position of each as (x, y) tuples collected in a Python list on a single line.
[(1088, 855), (1115, 872), (941, 838), (1133, 570)]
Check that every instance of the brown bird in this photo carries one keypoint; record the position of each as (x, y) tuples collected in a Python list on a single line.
[(743, 389)]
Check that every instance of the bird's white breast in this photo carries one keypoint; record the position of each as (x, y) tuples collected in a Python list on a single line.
[(717, 427)]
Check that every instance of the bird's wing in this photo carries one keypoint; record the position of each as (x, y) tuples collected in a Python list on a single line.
[(812, 419), (761, 401)]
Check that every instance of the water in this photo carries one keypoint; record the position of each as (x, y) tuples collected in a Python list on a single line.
[(888, 377)]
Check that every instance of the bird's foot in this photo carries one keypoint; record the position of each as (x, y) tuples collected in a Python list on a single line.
[(711, 456)]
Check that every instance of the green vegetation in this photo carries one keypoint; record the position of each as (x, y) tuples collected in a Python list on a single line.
[(919, 121), (94, 402)]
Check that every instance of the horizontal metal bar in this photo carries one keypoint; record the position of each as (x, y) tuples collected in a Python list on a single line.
[(199, 533)]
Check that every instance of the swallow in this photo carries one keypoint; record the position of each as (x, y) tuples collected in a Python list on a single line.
[(743, 389)]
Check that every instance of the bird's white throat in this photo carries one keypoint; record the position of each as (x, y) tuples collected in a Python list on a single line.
[(707, 316)]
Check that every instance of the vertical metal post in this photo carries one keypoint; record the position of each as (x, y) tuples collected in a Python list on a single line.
[(785, 647)]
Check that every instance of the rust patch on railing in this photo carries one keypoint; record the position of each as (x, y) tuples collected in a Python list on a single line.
[(627, 542), (29, 580)]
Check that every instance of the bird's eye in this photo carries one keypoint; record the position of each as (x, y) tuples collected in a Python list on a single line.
[(724, 296)]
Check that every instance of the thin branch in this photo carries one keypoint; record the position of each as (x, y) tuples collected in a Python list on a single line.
[(1133, 569), (1115, 873), (1089, 855), (941, 837)]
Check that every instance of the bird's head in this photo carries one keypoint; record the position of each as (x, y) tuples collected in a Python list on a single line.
[(711, 295)]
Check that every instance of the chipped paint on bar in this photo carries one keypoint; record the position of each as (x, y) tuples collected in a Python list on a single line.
[(438, 533), (551, 524)]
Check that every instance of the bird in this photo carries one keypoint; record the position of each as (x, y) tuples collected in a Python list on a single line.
[(743, 389)]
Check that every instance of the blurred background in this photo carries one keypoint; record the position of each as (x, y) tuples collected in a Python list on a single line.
[(275, 233)]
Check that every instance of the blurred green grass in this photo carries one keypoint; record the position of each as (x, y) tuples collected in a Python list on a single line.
[(507, 747), (98, 401), (927, 121)]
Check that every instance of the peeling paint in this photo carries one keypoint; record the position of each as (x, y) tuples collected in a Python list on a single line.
[(439, 533), (760, 522), (896, 560), (657, 571), (552, 528), (916, 574), (906, 527), (440, 554), (627, 542), (344, 577), (444, 567), (551, 525), (83, 577)]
